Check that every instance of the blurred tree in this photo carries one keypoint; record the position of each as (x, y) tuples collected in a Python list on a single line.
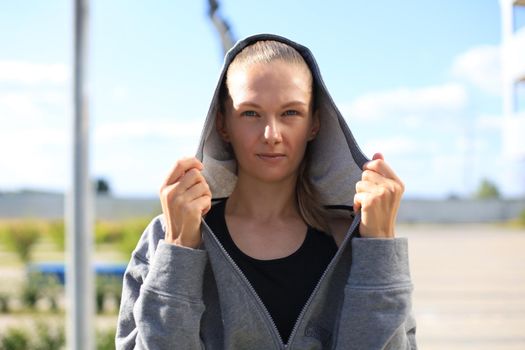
[(102, 186), (56, 231), (20, 237), (521, 218), (453, 196), (487, 190), (15, 339)]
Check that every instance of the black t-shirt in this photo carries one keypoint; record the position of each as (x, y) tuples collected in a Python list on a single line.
[(285, 284)]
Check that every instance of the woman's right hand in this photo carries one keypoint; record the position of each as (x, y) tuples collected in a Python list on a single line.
[(185, 197)]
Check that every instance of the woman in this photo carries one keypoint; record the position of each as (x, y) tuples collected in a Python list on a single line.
[(279, 260)]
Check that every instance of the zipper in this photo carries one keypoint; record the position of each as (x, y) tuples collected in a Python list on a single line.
[(355, 222), (332, 263), (250, 287)]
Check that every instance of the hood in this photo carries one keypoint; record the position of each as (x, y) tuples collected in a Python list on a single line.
[(336, 159)]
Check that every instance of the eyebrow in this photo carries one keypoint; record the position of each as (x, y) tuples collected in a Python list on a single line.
[(288, 104)]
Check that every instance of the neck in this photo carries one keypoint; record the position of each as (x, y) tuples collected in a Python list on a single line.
[(263, 201)]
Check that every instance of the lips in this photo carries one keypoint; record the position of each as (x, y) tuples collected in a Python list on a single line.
[(271, 157)]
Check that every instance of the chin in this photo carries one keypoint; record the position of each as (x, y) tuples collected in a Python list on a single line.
[(274, 175)]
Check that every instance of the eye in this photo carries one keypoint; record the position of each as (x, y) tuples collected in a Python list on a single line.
[(291, 112), (249, 114)]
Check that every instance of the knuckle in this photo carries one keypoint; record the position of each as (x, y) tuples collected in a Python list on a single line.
[(177, 165), (397, 188), (165, 192), (192, 172), (185, 159), (186, 208), (372, 201), (172, 197)]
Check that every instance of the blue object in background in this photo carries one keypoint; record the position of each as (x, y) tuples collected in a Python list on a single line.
[(58, 270)]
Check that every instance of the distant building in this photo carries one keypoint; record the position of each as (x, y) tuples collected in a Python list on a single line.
[(513, 79)]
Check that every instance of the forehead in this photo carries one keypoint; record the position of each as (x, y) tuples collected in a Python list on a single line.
[(276, 80)]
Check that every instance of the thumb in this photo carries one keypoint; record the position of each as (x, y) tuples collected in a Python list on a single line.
[(378, 156)]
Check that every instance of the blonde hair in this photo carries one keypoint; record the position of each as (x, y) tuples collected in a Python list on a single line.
[(308, 198)]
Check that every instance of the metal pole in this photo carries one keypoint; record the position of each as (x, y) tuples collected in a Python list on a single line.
[(79, 277), (222, 26)]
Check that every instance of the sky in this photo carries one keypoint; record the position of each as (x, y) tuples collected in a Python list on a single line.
[(418, 81)]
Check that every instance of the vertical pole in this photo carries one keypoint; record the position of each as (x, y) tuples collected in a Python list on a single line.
[(507, 31), (514, 168), (79, 277)]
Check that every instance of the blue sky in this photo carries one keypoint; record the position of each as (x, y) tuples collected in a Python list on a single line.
[(416, 80)]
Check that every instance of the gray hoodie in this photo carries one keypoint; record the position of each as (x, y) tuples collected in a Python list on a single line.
[(180, 298)]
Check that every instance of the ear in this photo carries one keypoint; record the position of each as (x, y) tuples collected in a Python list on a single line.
[(220, 125), (316, 125)]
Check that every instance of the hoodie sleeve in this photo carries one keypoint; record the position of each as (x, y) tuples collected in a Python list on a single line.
[(376, 311), (162, 301)]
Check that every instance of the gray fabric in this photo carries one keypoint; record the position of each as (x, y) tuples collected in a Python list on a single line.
[(180, 298)]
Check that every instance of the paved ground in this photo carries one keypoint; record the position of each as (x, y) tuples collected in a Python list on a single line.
[(469, 286)]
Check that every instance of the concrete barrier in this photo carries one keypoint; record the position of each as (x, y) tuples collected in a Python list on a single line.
[(460, 211), (51, 206)]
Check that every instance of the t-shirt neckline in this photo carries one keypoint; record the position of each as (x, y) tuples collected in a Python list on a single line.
[(231, 242)]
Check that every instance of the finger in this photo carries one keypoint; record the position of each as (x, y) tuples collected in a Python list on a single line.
[(178, 189), (180, 168), (358, 201), (381, 167), (203, 204), (365, 186), (196, 191), (372, 176), (378, 156), (190, 178)]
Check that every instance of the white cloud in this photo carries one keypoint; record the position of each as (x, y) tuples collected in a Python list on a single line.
[(15, 106), (162, 128), (490, 122), (136, 155), (450, 169), (513, 137), (425, 130), (34, 138), (40, 156), (410, 103), (35, 157), (480, 66), (30, 73), (120, 92), (38, 107), (391, 146)]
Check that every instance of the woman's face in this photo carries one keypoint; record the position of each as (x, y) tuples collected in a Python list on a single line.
[(268, 119)]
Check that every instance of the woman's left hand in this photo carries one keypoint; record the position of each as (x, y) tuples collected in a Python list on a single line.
[(378, 195)]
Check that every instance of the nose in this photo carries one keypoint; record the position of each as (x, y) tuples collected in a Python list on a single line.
[(272, 133)]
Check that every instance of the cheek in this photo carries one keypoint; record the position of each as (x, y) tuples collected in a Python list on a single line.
[(302, 136), (242, 138)]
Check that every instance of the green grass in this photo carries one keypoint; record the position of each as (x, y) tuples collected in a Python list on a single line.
[(113, 241)]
